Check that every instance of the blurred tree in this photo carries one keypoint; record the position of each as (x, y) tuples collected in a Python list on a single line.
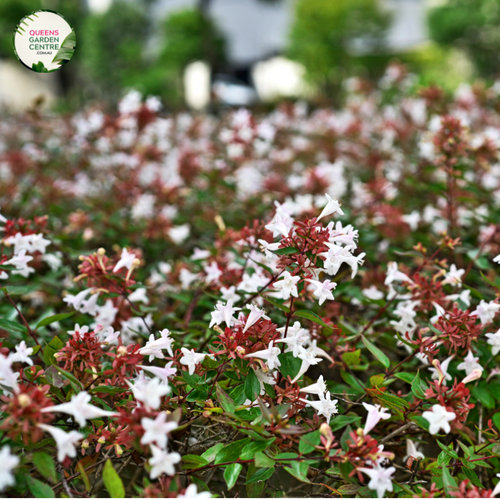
[(327, 34), (112, 47), (473, 26), (190, 35)]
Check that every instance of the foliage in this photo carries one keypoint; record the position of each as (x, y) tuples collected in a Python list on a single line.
[(112, 46), (472, 26), (329, 38), (183, 310)]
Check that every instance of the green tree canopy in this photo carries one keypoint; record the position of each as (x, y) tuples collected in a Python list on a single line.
[(473, 26), (325, 32)]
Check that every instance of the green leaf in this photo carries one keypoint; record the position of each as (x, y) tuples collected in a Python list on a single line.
[(75, 383), (308, 442), (496, 420), (45, 465), (12, 326), (299, 471), (262, 460), (193, 462), (231, 474), (352, 358), (52, 319), (290, 365), (67, 49), (39, 67), (352, 381), (226, 402), (210, 454), (261, 475), (314, 318), (252, 386), (472, 476), (19, 290), (254, 447), (232, 452), (407, 377), (112, 481), (39, 489), (340, 421), (421, 422), (483, 395), (285, 251), (449, 483), (417, 387), (379, 355)]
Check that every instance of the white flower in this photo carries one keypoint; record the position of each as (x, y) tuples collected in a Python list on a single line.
[(191, 359), (90, 306), (229, 294), (288, 285), (496, 490), (79, 330), (412, 451), (149, 391), (8, 377), (337, 255), (20, 242), (497, 259), (332, 206), (139, 295), (380, 479), (224, 313), (65, 441), (444, 370), (179, 233), (126, 260), (111, 336), (494, 341), (213, 273), (323, 290), (154, 347), (469, 364), (161, 373), (372, 293), (156, 430), (280, 225), (80, 409), (255, 315), (22, 353), (375, 414), (394, 275), (486, 311), (454, 276), (20, 262), (77, 300), (162, 462), (8, 463), (464, 296), (192, 492), (270, 355), (438, 419), (325, 406), (38, 243), (319, 388)]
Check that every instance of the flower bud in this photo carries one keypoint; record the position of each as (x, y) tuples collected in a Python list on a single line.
[(122, 350), (24, 400), (101, 440), (240, 350), (473, 375), (118, 449), (85, 444)]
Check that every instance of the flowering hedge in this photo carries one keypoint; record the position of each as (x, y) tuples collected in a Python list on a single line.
[(189, 310)]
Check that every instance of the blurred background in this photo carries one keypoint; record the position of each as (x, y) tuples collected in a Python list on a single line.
[(203, 53)]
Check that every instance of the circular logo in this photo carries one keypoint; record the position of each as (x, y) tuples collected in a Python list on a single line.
[(44, 41)]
